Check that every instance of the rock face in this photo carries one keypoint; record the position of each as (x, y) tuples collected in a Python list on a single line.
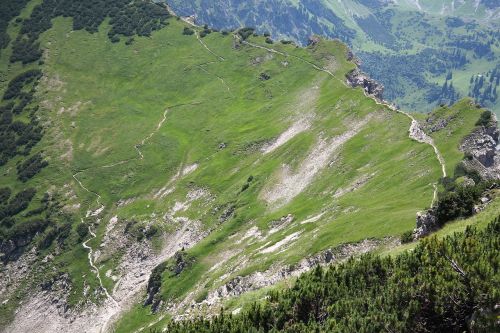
[(313, 40), (241, 284), (426, 223), (435, 124), (481, 148), (12, 249), (356, 78)]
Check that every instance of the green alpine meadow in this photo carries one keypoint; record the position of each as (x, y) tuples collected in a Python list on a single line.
[(424, 52), (159, 175)]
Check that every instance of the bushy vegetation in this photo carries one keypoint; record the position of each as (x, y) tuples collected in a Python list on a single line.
[(448, 285), (25, 50), (458, 202), (17, 137), (246, 32), (8, 10), (154, 283), (247, 184), (187, 31), (5, 193), (82, 231), (140, 231), (137, 18), (206, 31), (18, 228), (458, 199), (17, 204), (31, 167), (485, 119), (126, 19), (406, 237), (15, 87), (173, 267)]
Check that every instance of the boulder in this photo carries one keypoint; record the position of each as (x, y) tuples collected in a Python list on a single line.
[(481, 148), (313, 40), (426, 223), (357, 78)]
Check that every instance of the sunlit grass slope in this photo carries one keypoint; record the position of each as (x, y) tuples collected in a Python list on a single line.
[(170, 115)]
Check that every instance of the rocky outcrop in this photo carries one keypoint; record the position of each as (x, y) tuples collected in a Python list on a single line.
[(242, 284), (313, 40), (174, 266), (227, 213), (12, 249), (356, 78), (435, 124), (482, 155), (426, 223), (481, 149)]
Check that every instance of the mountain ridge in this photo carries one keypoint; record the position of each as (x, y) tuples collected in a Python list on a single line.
[(413, 52), (168, 164)]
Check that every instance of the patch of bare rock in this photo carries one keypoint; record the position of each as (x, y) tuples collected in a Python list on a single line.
[(276, 273)]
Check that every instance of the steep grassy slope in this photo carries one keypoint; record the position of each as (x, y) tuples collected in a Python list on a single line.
[(412, 47), (243, 159), (243, 113), (460, 120), (375, 293)]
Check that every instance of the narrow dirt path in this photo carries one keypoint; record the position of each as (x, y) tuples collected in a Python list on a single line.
[(415, 131), (91, 262), (218, 77), (116, 307), (197, 35), (207, 48), (101, 206), (86, 246), (98, 200), (313, 65), (147, 138), (420, 136)]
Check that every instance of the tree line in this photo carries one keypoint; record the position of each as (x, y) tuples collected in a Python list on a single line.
[(8, 10), (126, 18), (41, 226), (484, 87), (18, 137)]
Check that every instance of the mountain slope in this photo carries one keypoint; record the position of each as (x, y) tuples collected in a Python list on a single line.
[(412, 47), (383, 293), (173, 162)]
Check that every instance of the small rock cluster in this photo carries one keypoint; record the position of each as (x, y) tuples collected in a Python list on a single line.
[(426, 223), (434, 125), (482, 150), (241, 284), (357, 78)]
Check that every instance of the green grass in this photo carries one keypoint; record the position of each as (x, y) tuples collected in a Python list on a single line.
[(124, 91), (114, 96), (410, 28), (463, 116), (137, 319), (479, 220)]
